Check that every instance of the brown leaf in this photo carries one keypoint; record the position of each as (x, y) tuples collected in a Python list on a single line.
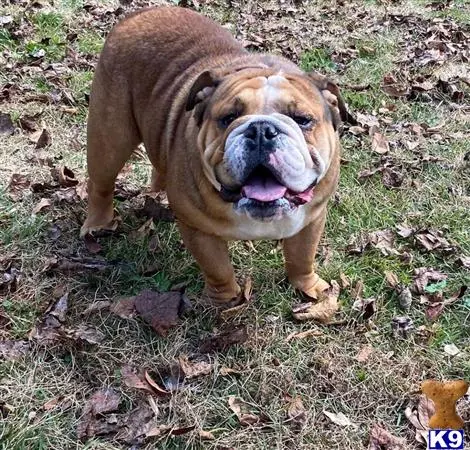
[(228, 336), (303, 334), (96, 307), (86, 333), (392, 178), (135, 380), (29, 123), (402, 326), (9, 280), (366, 307), (206, 435), (64, 176), (364, 353), (124, 307), (242, 411), (464, 261), (101, 402), (324, 309), (435, 309), (10, 349), (171, 377), (391, 278), (41, 138), (144, 230), (419, 416), (43, 204), (6, 124), (432, 240), (381, 439), (161, 310), (194, 368), (380, 143), (345, 281), (155, 207), (134, 426), (393, 88), (338, 418), (423, 276), (404, 231), (296, 412), (91, 244), (224, 371), (18, 183)]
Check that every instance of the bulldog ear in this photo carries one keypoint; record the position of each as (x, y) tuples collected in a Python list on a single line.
[(201, 89), (332, 96)]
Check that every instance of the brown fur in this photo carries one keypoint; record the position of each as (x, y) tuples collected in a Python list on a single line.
[(148, 76)]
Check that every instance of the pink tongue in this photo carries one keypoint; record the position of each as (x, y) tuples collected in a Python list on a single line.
[(263, 189)]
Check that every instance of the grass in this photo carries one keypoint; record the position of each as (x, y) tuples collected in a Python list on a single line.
[(322, 370)]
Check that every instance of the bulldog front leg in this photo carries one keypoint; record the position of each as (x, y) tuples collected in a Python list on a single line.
[(211, 254), (299, 254)]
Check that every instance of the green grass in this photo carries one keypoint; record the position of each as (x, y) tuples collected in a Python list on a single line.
[(322, 370)]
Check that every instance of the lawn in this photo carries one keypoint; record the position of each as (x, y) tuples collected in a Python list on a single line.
[(397, 241)]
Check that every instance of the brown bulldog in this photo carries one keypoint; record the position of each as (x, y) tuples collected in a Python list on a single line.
[(245, 145)]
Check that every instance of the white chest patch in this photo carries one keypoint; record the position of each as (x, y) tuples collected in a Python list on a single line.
[(251, 229)]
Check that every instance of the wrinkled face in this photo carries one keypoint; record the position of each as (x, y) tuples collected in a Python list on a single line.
[(266, 141)]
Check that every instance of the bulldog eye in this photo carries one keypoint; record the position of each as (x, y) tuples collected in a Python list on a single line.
[(302, 121), (225, 121)]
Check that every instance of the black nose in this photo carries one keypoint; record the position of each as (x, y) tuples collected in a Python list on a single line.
[(263, 131)]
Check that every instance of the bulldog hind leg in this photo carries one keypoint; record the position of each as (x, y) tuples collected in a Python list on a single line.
[(112, 137)]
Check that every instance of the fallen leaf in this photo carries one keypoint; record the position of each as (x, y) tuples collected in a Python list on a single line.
[(380, 143), (206, 435), (161, 310), (228, 336), (9, 280), (381, 439), (18, 183), (405, 298), (391, 278), (96, 307), (64, 176), (432, 240), (423, 276), (156, 207), (29, 123), (451, 350), (303, 334), (419, 415), (242, 411), (91, 244), (338, 418), (41, 138), (366, 307), (392, 178), (6, 124), (134, 426), (464, 261), (101, 402), (194, 368), (402, 326), (364, 353), (224, 371), (86, 333), (393, 88), (10, 350), (131, 378), (144, 230), (324, 309), (124, 307), (296, 412), (345, 281), (43, 203), (172, 378)]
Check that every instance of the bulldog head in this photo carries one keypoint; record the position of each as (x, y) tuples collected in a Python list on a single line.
[(266, 136)]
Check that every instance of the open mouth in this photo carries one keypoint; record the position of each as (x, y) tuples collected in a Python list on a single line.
[(263, 188)]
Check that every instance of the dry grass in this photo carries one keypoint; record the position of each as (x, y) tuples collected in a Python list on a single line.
[(322, 370)]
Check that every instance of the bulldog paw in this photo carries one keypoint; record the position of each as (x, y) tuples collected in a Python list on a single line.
[(324, 308), (89, 228), (312, 286), (222, 295)]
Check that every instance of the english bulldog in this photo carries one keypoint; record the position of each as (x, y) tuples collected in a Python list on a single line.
[(245, 145)]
